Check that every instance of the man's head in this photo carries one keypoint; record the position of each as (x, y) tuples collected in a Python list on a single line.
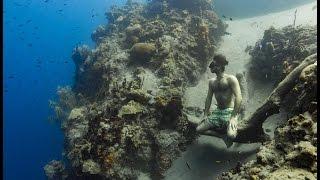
[(218, 64)]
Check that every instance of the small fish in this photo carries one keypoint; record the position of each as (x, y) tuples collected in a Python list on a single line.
[(92, 16), (218, 161), (30, 44), (188, 165), (46, 1), (224, 16), (230, 19), (314, 7), (65, 62), (11, 77), (28, 21)]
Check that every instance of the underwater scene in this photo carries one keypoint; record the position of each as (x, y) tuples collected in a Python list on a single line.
[(160, 89)]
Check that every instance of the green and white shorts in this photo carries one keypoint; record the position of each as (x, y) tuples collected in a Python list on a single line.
[(219, 118)]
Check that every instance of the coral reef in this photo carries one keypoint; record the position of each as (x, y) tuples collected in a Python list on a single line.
[(116, 125), (292, 154), (280, 51), (55, 170)]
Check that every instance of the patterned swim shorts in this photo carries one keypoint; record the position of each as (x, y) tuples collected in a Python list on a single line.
[(219, 118)]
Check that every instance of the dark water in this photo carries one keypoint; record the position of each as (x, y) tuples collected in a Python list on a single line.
[(38, 40)]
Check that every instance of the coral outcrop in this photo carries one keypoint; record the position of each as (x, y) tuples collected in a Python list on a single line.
[(119, 124), (55, 170), (280, 51), (292, 153)]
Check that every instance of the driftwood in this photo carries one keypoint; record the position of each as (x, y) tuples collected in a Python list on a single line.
[(250, 129)]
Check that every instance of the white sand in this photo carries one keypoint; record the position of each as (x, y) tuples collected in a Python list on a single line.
[(202, 156)]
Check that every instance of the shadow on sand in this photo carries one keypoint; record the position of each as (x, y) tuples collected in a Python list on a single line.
[(208, 158)]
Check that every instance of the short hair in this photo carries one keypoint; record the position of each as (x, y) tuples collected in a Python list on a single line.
[(220, 59)]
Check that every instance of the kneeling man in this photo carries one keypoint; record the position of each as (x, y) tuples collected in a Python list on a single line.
[(222, 122)]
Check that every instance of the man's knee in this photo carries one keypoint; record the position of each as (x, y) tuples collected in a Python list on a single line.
[(231, 134), (199, 129)]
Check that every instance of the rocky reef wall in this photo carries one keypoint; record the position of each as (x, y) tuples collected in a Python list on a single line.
[(116, 123)]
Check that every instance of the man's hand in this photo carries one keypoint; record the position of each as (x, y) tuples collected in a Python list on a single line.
[(232, 127)]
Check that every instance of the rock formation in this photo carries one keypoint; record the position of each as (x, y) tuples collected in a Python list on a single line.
[(124, 113)]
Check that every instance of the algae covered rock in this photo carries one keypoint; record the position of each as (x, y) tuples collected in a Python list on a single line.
[(290, 173), (76, 126), (76, 113), (139, 95), (304, 155), (132, 108), (98, 34), (55, 170), (89, 166), (142, 52)]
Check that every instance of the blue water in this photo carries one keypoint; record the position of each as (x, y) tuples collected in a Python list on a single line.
[(38, 42)]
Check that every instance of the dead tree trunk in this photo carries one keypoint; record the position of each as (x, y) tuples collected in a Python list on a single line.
[(250, 129)]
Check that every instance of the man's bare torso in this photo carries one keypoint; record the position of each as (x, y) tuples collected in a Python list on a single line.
[(222, 92)]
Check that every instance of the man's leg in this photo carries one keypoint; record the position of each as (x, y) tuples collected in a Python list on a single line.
[(212, 133), (231, 131), (204, 128), (203, 125)]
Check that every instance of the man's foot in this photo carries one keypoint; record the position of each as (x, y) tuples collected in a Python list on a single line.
[(194, 120), (227, 141)]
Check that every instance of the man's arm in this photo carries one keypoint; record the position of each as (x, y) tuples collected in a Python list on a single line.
[(209, 98), (234, 83)]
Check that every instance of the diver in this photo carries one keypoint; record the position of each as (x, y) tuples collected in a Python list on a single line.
[(222, 122)]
